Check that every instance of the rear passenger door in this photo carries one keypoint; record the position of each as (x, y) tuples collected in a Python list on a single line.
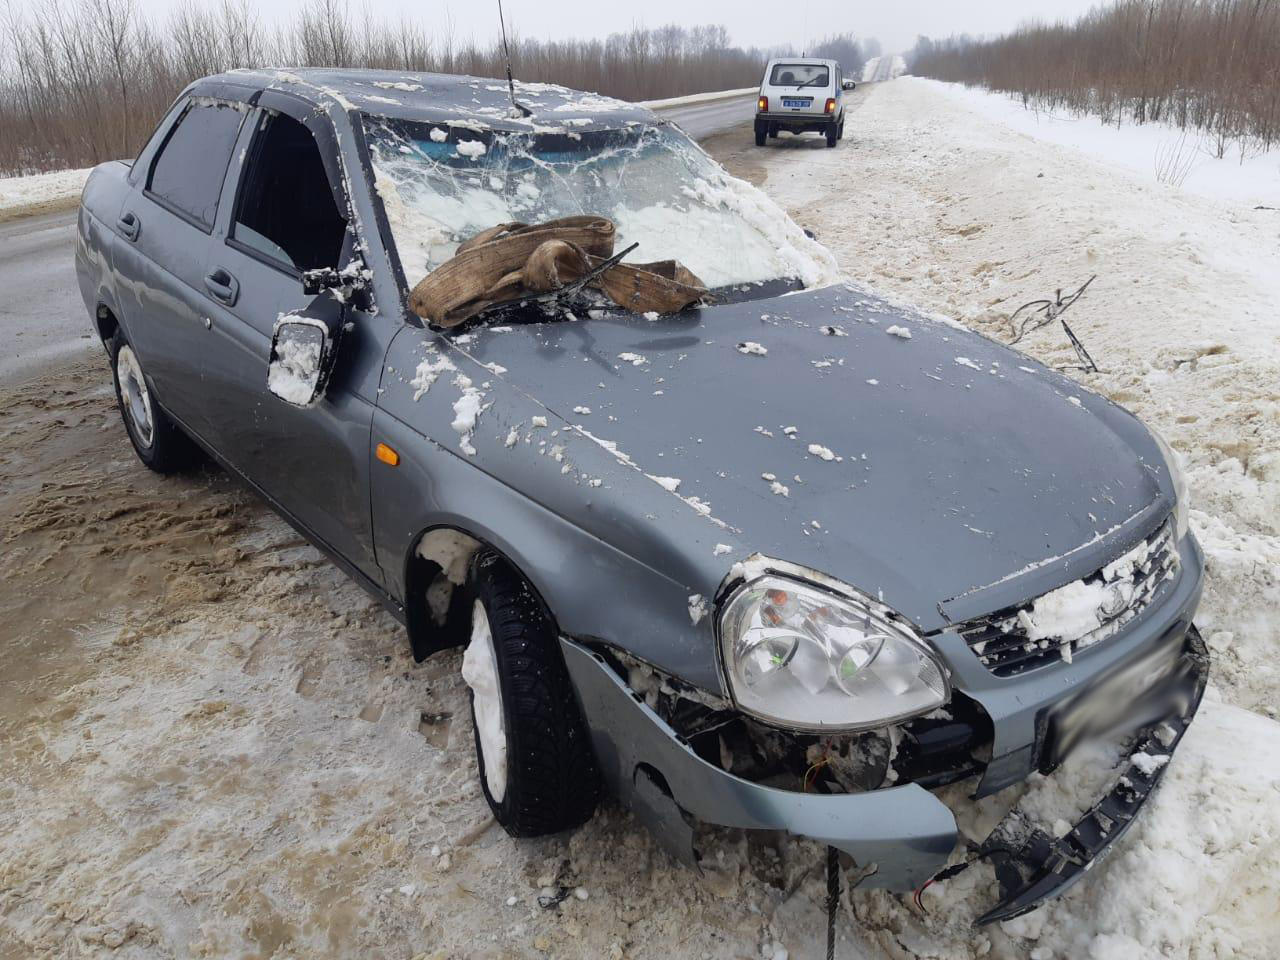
[(166, 224), (285, 211)]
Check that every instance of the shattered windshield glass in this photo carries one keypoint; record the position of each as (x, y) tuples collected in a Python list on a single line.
[(442, 184)]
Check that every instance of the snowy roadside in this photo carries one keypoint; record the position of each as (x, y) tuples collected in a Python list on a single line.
[(40, 193), (1153, 152), (951, 209)]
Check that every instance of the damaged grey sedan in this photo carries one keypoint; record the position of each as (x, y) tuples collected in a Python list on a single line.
[(723, 535)]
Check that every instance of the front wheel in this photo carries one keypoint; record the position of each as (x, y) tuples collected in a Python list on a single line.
[(840, 130), (537, 768)]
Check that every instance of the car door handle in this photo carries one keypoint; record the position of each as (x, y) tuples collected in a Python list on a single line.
[(224, 287), (129, 225)]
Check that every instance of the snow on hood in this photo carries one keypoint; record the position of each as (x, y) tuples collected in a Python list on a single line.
[(876, 459)]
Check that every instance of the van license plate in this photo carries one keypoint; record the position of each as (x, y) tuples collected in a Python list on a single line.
[(795, 103)]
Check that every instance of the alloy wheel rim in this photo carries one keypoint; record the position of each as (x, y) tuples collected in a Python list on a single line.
[(136, 397)]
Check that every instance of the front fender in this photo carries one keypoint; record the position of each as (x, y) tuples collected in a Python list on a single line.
[(577, 522)]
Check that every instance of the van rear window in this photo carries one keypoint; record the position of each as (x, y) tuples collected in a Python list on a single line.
[(795, 74)]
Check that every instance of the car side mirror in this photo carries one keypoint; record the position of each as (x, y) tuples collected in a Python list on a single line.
[(348, 285), (304, 350), (848, 85)]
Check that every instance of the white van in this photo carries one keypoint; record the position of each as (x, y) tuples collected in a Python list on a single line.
[(799, 94)]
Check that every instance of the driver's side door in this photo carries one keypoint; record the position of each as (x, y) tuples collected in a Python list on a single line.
[(284, 215)]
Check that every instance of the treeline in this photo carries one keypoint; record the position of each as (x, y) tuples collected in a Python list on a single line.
[(1203, 65), (82, 81)]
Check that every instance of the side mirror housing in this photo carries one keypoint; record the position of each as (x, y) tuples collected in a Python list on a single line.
[(349, 285), (303, 352), (848, 85)]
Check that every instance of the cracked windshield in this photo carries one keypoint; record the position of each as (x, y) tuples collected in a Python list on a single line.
[(441, 185)]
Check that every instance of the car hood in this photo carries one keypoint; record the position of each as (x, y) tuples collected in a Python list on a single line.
[(914, 460)]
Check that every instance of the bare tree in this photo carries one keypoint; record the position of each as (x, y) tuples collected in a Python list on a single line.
[(1207, 65), (86, 80)]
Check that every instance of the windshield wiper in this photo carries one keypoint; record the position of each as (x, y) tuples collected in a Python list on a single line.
[(559, 296), (812, 81)]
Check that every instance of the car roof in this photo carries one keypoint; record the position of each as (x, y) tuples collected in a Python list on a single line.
[(803, 60), (438, 97)]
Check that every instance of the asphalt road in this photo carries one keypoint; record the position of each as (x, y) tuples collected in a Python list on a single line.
[(703, 119), (41, 315), (43, 318)]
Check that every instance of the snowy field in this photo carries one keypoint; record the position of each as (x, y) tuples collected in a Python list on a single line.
[(213, 744)]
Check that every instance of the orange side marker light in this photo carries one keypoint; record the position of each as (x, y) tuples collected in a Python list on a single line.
[(387, 455)]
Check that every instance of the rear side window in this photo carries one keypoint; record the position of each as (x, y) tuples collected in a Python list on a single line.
[(187, 175), (794, 74)]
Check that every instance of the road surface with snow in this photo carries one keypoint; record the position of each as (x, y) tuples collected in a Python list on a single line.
[(213, 744), (41, 313)]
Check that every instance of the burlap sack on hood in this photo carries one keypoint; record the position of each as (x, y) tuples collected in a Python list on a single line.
[(512, 261)]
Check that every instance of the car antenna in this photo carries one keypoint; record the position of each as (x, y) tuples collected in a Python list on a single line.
[(518, 108)]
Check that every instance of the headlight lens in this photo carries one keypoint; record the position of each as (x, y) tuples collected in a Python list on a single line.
[(801, 657), (1182, 502)]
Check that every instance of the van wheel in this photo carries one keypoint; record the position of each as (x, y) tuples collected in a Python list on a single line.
[(537, 769), (840, 130), (761, 130), (832, 133), (158, 441), (773, 131)]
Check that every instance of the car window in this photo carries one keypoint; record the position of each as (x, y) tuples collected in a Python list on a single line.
[(286, 210), (188, 173), (794, 74)]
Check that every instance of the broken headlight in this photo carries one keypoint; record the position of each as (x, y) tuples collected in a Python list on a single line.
[(802, 657), (1181, 499)]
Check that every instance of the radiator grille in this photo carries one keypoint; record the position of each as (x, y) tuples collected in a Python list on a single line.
[(1003, 640)]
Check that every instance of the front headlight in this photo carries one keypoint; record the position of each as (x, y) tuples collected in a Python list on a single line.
[(802, 657), (1181, 501)]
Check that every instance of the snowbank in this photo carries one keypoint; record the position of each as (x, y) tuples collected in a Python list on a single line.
[(40, 193), (1159, 152)]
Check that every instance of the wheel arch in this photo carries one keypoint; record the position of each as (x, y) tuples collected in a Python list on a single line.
[(106, 321), (437, 596)]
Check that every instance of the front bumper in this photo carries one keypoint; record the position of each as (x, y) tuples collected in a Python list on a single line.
[(903, 834)]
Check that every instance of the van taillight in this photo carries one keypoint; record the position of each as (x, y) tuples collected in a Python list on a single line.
[(763, 104), (831, 104)]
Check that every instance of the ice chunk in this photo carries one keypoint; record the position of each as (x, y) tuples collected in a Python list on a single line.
[(823, 453)]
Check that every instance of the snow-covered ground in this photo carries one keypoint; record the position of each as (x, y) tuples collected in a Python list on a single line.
[(1156, 152), (215, 745), (40, 193)]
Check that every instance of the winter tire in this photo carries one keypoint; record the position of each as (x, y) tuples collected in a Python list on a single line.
[(525, 712), (831, 134), (761, 131), (158, 441)]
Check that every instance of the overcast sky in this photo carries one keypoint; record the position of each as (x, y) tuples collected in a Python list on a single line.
[(756, 23)]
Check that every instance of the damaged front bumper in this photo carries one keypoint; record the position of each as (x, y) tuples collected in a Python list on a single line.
[(899, 837), (906, 831), (1032, 866)]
